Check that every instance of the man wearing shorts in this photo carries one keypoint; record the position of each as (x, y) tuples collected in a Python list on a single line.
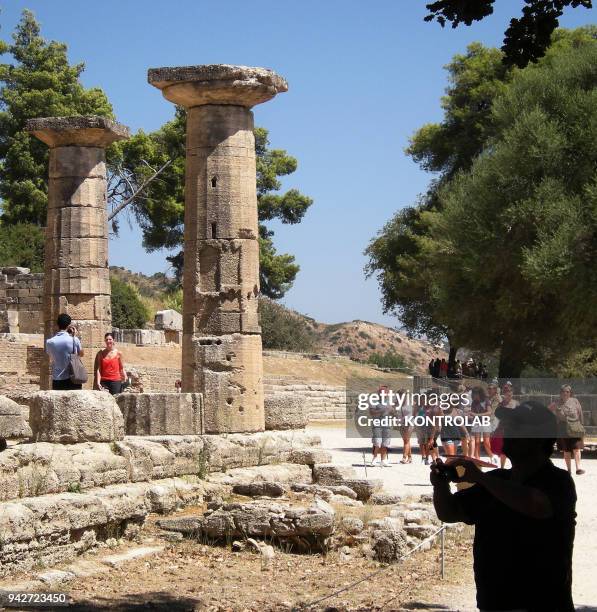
[(381, 436)]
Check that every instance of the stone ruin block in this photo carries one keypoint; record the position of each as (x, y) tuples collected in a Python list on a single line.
[(86, 162), (229, 369), (76, 222), (285, 411), (9, 321), (64, 281), (79, 252), (221, 279), (140, 337), (154, 414), (14, 270), (13, 423), (72, 191), (86, 307), (75, 416), (168, 320)]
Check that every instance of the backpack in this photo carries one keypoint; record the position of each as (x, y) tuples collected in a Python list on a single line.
[(78, 373)]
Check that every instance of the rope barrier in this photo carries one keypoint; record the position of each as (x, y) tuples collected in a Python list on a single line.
[(379, 571)]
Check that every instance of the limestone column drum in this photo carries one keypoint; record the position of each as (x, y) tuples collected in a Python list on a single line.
[(221, 355), (76, 276)]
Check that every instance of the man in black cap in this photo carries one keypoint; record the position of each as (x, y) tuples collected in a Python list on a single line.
[(524, 517)]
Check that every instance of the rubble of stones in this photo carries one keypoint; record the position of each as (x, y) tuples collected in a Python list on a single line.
[(311, 518)]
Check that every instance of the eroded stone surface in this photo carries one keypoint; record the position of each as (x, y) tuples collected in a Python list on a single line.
[(41, 468), (388, 540), (75, 416), (259, 489), (170, 320), (285, 473), (12, 421), (86, 131), (76, 246), (221, 335), (307, 527), (56, 528), (216, 84), (155, 414), (331, 473), (229, 371), (285, 411)]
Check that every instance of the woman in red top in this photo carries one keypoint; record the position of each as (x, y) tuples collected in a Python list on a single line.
[(109, 368)]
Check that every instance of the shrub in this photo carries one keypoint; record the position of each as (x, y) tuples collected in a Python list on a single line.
[(22, 245), (128, 311), (173, 300), (389, 359), (284, 330)]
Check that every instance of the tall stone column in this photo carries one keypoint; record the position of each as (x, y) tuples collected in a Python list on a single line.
[(76, 276), (221, 355)]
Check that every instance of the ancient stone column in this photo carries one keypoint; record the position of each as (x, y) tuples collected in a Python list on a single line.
[(76, 277), (221, 355)]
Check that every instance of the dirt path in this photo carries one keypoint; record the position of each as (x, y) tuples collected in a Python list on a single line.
[(190, 576)]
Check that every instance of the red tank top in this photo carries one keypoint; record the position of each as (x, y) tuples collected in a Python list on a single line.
[(110, 368)]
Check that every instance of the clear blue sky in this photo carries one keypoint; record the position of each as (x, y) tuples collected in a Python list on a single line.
[(362, 77)]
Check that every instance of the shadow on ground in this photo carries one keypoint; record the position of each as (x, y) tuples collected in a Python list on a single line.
[(419, 605), (163, 602)]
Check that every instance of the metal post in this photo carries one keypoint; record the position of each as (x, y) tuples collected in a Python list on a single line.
[(443, 551)]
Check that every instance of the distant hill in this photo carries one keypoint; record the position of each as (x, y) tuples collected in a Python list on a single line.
[(357, 339), (361, 339), (148, 286)]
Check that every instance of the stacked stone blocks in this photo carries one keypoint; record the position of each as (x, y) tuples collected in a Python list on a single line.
[(76, 275), (21, 301), (221, 334)]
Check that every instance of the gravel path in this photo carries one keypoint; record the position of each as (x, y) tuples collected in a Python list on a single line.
[(413, 479)]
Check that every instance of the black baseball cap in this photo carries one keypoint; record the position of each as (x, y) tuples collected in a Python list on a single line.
[(531, 419)]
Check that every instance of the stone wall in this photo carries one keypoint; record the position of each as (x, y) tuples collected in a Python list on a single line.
[(21, 295), (58, 500), (147, 337), (20, 362), (323, 402)]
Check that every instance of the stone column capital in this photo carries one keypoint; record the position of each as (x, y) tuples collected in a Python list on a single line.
[(191, 86), (78, 131)]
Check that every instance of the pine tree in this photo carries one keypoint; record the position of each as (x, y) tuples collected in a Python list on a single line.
[(39, 82)]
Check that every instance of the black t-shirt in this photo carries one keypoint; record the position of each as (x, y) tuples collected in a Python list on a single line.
[(521, 562)]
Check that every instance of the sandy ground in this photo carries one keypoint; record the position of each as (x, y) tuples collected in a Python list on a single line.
[(414, 479)]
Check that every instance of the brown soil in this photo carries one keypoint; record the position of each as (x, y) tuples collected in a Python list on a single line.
[(193, 576)]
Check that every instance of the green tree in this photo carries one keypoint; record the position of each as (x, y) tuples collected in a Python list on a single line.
[(515, 239), (475, 78), (22, 245), (398, 255), (128, 311), (160, 209), (39, 82), (283, 329), (527, 37), (389, 359)]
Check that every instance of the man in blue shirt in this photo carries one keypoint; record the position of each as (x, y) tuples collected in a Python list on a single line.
[(59, 348)]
